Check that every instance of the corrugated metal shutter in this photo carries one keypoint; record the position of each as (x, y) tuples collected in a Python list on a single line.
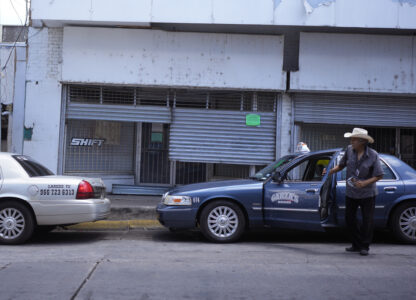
[(215, 136), (114, 156), (124, 113), (355, 110), (320, 137)]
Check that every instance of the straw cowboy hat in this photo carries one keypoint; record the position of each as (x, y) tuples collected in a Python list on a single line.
[(359, 133)]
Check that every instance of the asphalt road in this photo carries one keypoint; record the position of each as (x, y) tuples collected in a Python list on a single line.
[(157, 264)]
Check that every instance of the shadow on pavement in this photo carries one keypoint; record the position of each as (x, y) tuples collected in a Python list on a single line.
[(195, 236), (66, 237), (275, 236)]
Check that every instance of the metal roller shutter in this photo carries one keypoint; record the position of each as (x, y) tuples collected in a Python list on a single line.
[(115, 103), (355, 110), (150, 114), (214, 136)]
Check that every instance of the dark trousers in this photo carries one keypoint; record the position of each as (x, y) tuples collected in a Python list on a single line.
[(361, 236)]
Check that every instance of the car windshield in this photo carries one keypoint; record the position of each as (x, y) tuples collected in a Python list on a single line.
[(265, 173), (32, 168)]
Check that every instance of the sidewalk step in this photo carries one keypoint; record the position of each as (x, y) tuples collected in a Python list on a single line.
[(123, 189)]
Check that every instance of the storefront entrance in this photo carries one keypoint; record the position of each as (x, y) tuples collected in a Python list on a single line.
[(164, 137), (154, 158)]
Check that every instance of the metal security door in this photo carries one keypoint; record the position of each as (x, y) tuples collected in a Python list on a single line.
[(214, 136), (154, 163)]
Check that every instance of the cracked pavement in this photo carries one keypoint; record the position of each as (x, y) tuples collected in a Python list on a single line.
[(157, 264)]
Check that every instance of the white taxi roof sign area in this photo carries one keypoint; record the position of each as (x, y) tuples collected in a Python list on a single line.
[(302, 147)]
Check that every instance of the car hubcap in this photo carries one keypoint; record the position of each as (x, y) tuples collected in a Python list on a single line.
[(408, 222), (222, 221), (12, 223)]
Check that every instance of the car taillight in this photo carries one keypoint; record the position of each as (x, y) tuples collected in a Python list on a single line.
[(85, 190)]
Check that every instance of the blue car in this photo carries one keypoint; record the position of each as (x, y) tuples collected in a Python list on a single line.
[(293, 192)]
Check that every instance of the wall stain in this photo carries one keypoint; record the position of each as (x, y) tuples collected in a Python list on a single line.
[(276, 3), (410, 2), (310, 5)]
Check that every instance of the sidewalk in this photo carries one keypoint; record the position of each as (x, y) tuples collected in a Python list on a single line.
[(127, 212)]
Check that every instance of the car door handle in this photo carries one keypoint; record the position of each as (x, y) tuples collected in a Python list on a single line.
[(311, 190), (390, 188)]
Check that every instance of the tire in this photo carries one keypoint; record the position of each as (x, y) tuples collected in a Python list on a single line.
[(16, 223), (403, 222), (222, 222)]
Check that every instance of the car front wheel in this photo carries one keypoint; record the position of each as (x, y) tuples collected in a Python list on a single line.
[(16, 223), (222, 222), (404, 222)]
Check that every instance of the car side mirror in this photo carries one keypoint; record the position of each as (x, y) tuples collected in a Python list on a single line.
[(277, 177)]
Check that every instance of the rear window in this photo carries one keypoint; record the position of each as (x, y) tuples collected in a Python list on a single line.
[(32, 168)]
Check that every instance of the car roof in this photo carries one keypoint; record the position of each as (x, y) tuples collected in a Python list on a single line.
[(317, 152), (7, 154)]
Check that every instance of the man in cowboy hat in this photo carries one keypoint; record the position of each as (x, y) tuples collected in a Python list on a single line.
[(363, 171)]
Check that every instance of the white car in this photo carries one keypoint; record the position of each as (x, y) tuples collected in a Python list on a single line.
[(32, 197)]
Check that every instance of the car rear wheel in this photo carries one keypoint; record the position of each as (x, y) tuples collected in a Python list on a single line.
[(404, 222), (222, 222), (16, 223)]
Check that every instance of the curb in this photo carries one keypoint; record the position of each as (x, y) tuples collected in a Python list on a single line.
[(116, 224)]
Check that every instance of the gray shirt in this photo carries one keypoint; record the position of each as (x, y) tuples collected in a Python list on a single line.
[(367, 167)]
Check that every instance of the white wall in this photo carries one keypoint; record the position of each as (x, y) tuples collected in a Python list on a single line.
[(153, 57), (7, 75), (338, 13), (356, 63), (43, 95)]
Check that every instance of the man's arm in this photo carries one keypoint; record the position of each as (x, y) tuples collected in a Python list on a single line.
[(364, 183), (335, 169)]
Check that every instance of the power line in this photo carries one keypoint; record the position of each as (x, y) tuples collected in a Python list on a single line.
[(17, 14), (20, 32)]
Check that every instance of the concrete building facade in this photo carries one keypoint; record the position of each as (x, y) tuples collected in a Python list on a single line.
[(173, 92)]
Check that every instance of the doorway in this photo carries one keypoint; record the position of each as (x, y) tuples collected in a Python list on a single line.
[(154, 157)]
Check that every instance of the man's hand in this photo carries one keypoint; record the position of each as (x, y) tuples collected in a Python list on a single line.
[(333, 170), (360, 184)]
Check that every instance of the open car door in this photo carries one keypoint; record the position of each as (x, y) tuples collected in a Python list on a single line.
[(303, 196)]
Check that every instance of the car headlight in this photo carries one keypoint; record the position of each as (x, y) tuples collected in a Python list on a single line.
[(177, 200)]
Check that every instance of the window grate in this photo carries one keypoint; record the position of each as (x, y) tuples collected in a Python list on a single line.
[(190, 172), (149, 96), (190, 98), (266, 101), (117, 95), (181, 98), (84, 94), (230, 100), (231, 171)]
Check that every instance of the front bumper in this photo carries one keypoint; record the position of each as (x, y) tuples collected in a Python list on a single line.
[(71, 211), (177, 216)]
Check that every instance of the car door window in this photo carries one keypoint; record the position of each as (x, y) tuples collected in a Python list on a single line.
[(311, 169)]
